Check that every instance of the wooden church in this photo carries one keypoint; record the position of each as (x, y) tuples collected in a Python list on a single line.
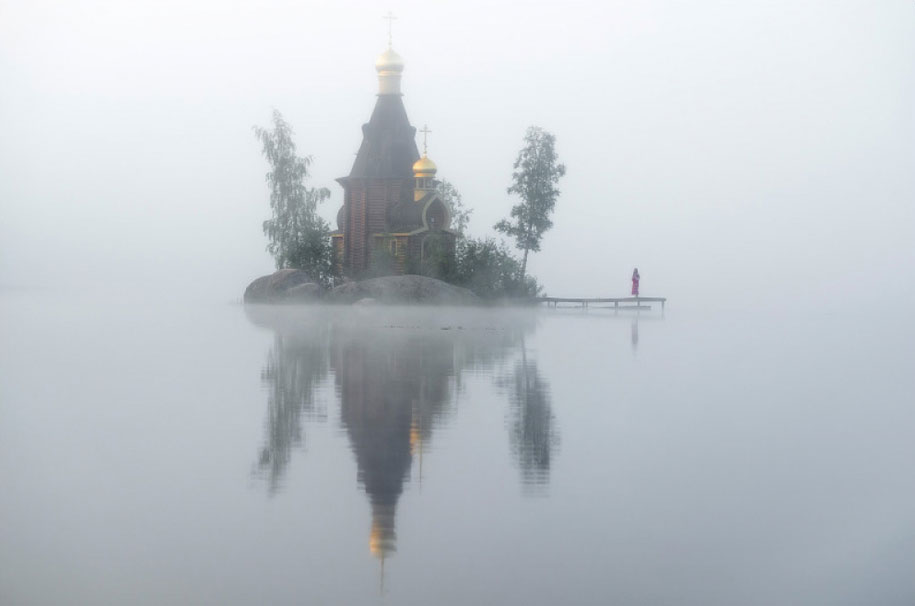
[(390, 202)]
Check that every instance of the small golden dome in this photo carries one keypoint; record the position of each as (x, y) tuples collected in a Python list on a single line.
[(389, 61), (424, 167)]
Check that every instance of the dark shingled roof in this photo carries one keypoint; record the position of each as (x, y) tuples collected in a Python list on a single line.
[(388, 147), (406, 216)]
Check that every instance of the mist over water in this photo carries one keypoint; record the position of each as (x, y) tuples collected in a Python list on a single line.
[(220, 454), (160, 443)]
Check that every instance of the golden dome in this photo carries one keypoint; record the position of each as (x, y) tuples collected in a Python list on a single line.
[(424, 167), (389, 66), (388, 62)]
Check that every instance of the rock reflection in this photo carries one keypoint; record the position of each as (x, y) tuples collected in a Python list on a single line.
[(397, 373)]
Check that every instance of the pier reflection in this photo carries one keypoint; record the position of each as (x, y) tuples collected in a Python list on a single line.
[(398, 375)]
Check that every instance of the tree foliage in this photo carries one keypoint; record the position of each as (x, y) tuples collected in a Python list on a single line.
[(438, 257), (536, 172), (490, 270), (460, 215), (297, 236), (483, 265)]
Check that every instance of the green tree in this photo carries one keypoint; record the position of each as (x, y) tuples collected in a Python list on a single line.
[(298, 237), (490, 270), (536, 172), (438, 258), (460, 216)]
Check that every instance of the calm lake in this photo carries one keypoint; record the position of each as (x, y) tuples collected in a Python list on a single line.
[(208, 453)]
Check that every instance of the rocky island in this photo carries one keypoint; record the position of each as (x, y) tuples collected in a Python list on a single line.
[(296, 286)]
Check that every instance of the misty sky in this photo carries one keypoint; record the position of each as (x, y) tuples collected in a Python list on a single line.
[(754, 151)]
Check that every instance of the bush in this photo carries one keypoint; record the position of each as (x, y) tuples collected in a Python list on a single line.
[(488, 268), (313, 253), (438, 260)]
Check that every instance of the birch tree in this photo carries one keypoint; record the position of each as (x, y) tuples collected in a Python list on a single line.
[(536, 172), (297, 237)]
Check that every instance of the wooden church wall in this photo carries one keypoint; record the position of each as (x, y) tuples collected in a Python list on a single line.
[(355, 230)]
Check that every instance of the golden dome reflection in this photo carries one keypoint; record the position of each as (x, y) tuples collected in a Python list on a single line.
[(382, 538)]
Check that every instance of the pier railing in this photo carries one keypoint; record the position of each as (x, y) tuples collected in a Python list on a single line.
[(627, 302)]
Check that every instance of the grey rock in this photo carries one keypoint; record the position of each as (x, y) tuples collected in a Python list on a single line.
[(283, 286), (304, 292), (402, 289)]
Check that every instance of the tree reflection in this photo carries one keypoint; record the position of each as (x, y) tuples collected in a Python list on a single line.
[(532, 425), (295, 365)]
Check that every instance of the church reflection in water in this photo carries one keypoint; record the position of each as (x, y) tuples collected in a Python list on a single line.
[(396, 377)]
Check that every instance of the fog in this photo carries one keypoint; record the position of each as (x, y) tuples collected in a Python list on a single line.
[(756, 153), (755, 161)]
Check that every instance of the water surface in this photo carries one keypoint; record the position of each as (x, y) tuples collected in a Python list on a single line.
[(209, 453)]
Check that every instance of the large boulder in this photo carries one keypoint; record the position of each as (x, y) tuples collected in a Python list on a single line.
[(284, 286), (402, 289)]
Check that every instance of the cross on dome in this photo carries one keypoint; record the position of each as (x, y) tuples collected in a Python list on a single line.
[(424, 167), (390, 17), (425, 131)]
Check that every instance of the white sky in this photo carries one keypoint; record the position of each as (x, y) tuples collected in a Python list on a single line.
[(751, 151)]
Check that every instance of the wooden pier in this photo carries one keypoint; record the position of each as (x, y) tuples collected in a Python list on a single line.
[(628, 303)]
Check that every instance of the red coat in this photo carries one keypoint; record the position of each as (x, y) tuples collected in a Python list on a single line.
[(635, 285)]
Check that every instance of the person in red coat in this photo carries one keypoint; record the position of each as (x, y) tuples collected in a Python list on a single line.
[(635, 282)]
